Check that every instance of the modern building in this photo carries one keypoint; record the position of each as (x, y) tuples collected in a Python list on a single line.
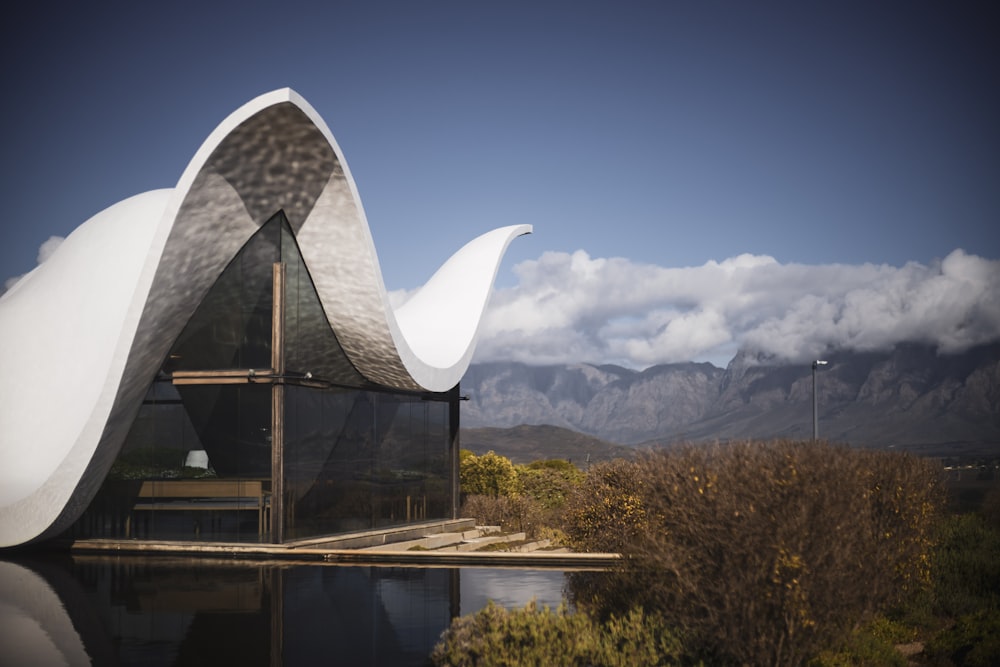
[(220, 361)]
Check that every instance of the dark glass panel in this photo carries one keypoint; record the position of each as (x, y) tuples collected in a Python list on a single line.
[(438, 450), (183, 468), (356, 460), (160, 438), (412, 463), (256, 298), (310, 344), (328, 461), (234, 423), (232, 326)]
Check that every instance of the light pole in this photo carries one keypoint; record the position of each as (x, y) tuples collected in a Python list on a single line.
[(816, 364)]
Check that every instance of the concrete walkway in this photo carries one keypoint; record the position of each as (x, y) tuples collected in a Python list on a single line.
[(457, 543)]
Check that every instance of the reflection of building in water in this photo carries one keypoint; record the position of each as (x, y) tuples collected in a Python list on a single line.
[(157, 612), (221, 362)]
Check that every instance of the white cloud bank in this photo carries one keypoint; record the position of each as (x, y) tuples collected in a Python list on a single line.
[(572, 308), (569, 308)]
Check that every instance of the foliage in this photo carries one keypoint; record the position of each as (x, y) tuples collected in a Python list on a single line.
[(973, 640), (487, 475), (549, 482), (527, 498), (495, 636), (607, 511), (761, 553), (991, 508), (871, 644), (511, 513), (966, 567), (154, 463), (966, 590)]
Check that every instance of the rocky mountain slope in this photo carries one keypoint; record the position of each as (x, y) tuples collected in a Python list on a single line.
[(908, 396)]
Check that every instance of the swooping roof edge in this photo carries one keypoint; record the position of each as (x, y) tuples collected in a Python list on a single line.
[(114, 318)]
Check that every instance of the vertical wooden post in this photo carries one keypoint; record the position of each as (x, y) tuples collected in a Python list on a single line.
[(453, 447), (278, 405)]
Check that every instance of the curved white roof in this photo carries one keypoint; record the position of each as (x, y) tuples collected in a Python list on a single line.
[(83, 335)]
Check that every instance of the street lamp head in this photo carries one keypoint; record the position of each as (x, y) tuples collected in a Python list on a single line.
[(820, 362)]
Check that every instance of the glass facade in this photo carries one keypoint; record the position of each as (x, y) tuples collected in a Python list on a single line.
[(202, 459), (357, 460)]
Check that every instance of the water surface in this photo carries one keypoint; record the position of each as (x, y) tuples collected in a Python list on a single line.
[(83, 610)]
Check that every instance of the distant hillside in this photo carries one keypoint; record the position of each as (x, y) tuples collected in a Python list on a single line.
[(909, 396), (523, 444)]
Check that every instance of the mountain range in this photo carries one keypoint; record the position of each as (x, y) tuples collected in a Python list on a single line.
[(910, 396)]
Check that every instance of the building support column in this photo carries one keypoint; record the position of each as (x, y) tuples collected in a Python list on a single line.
[(453, 450), (278, 405)]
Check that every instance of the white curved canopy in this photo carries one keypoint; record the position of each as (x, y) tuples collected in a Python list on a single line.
[(83, 335)]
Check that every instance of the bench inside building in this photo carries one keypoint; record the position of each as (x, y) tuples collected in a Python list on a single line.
[(214, 496)]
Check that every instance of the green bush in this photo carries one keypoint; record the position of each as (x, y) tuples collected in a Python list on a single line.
[(761, 553), (991, 508), (966, 567), (487, 475), (966, 592), (528, 498), (495, 636), (973, 640), (549, 482), (871, 644)]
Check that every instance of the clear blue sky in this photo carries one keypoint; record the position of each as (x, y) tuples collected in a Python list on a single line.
[(667, 133)]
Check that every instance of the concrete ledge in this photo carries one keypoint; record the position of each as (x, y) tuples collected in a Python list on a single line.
[(385, 546), (261, 552), (384, 536)]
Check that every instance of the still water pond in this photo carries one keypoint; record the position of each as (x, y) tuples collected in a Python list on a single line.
[(142, 611)]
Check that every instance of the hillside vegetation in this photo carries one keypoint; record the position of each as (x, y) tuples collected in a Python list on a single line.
[(749, 553), (525, 443)]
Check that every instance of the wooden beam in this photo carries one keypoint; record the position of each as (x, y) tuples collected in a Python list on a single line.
[(278, 406), (235, 376)]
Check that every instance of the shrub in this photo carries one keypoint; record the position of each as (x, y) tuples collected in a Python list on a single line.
[(991, 508), (973, 640), (487, 475), (871, 644), (966, 567), (548, 485), (760, 553), (550, 482), (607, 510), (495, 636), (527, 498), (511, 513)]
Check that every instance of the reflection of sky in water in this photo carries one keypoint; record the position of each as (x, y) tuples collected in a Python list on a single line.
[(510, 588), (135, 611)]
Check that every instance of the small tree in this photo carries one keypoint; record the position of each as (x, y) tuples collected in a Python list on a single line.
[(549, 482), (488, 475)]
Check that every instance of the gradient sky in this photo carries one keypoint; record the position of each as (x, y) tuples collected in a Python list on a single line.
[(667, 134)]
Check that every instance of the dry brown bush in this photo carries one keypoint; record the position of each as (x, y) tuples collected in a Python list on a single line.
[(761, 553), (512, 513)]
